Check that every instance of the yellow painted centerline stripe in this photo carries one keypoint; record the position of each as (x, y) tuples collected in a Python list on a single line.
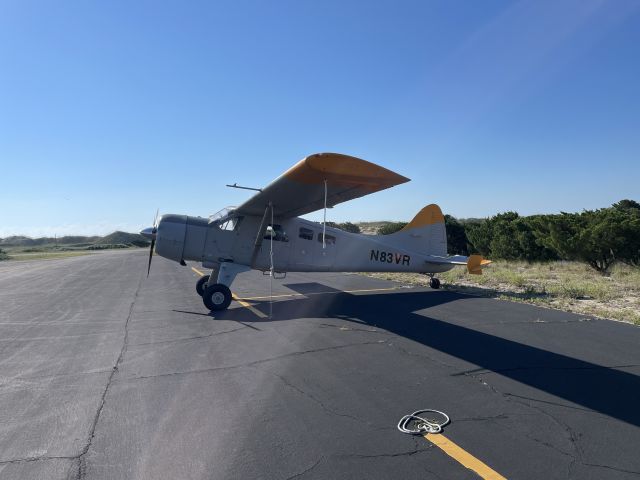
[(197, 271), (253, 309), (241, 301), (324, 293), (463, 457)]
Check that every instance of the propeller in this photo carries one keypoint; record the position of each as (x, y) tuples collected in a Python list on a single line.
[(151, 233)]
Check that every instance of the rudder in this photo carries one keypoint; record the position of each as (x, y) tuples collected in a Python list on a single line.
[(426, 233)]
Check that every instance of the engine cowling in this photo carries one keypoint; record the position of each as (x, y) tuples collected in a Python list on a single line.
[(181, 237)]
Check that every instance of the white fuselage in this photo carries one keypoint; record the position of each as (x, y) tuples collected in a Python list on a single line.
[(298, 247)]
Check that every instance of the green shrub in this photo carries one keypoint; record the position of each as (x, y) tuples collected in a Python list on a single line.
[(392, 227), (596, 237)]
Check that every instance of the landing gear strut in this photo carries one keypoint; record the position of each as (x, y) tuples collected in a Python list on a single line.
[(217, 296), (434, 283)]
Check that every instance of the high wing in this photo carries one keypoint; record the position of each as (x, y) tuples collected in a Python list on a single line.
[(301, 189)]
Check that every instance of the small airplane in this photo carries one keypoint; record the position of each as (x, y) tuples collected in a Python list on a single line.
[(265, 232)]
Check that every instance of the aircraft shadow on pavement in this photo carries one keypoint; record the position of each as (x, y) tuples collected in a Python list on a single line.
[(602, 389)]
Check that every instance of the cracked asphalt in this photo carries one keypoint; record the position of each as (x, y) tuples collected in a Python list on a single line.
[(107, 374)]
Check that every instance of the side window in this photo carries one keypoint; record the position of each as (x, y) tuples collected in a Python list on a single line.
[(277, 232), (306, 233), (328, 239)]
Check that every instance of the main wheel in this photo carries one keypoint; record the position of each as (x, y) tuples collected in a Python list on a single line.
[(216, 297), (201, 284), (434, 283)]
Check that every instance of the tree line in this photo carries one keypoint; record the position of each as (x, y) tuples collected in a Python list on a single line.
[(596, 237)]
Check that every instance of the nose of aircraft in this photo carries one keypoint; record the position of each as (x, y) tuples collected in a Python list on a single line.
[(149, 233)]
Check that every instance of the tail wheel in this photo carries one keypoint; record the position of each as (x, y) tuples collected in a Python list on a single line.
[(434, 283), (216, 297), (201, 284)]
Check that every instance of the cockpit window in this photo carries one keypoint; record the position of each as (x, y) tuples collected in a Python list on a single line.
[(277, 232), (229, 224)]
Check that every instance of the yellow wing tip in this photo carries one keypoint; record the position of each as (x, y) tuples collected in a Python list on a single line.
[(476, 263)]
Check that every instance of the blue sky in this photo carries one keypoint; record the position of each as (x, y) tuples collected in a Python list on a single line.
[(109, 110)]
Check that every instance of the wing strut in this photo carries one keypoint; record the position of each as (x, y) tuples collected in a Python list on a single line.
[(271, 272), (258, 243), (256, 246), (324, 218)]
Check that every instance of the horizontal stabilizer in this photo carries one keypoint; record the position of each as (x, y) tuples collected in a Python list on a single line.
[(476, 263)]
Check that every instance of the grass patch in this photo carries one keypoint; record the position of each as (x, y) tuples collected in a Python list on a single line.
[(50, 255), (581, 290), (58, 251), (568, 286)]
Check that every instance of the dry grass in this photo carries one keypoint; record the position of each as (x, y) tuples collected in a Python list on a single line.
[(371, 228), (48, 255), (567, 286)]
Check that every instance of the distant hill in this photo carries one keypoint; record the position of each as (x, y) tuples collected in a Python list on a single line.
[(115, 238), (22, 241), (123, 238)]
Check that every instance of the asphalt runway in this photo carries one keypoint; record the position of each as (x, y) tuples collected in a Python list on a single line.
[(107, 374)]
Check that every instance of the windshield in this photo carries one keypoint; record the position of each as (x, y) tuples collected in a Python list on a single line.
[(221, 214)]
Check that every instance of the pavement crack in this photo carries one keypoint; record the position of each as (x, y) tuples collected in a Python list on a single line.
[(608, 467), (501, 416), (41, 458), (570, 435), (419, 446), (307, 470), (96, 418), (408, 453), (386, 455), (419, 355), (538, 321), (482, 371), (317, 401), (435, 474), (186, 339), (352, 329), (257, 362)]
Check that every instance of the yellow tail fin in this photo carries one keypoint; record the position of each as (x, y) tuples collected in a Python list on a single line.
[(426, 233), (429, 215)]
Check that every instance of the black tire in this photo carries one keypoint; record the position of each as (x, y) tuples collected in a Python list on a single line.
[(434, 283), (201, 283), (216, 297)]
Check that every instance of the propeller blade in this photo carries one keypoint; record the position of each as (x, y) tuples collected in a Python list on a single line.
[(153, 244)]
